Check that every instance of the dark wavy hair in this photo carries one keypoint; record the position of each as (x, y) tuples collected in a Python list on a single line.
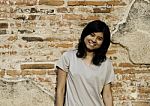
[(100, 53)]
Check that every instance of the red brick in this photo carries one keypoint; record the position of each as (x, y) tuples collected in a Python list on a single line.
[(128, 76), (64, 45), (138, 103), (50, 17), (3, 25), (72, 16), (38, 72), (143, 96), (100, 10), (24, 2), (33, 72), (4, 2), (8, 53), (5, 46), (144, 90), (32, 17), (51, 72), (127, 71), (43, 79), (110, 52), (12, 38), (93, 17), (83, 10), (51, 2), (117, 84), (26, 72), (126, 65), (2, 73), (37, 66), (13, 73), (95, 3), (62, 10)]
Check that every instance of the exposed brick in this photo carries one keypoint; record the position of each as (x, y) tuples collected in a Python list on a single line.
[(31, 39), (62, 10), (3, 25), (51, 2), (138, 103), (72, 16), (3, 32), (37, 66), (20, 17), (144, 90), (38, 72), (128, 76), (92, 17), (117, 84), (12, 38), (5, 46), (24, 2), (126, 65), (101, 10), (2, 73), (95, 3), (142, 97), (111, 52), (64, 45), (8, 53), (83, 10), (125, 71), (3, 2), (13, 73), (31, 17), (26, 72), (43, 79), (33, 10), (51, 72)]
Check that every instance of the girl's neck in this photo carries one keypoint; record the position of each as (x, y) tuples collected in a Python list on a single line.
[(88, 58)]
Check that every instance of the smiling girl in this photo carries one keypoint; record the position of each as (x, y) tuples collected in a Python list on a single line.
[(85, 75)]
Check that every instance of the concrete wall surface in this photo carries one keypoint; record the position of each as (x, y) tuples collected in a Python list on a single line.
[(35, 33)]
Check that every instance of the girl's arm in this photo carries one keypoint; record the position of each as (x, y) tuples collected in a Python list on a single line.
[(60, 91), (107, 95)]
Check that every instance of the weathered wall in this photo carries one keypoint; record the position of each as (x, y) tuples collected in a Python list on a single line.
[(34, 34)]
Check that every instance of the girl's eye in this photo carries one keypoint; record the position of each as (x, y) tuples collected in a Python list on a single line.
[(100, 38)]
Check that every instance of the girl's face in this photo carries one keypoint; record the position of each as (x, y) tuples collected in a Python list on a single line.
[(94, 41)]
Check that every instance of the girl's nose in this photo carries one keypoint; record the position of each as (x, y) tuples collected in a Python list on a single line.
[(94, 39)]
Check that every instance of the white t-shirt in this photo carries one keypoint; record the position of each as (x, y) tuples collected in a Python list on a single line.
[(84, 82)]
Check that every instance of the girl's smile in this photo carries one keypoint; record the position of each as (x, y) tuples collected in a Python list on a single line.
[(94, 40)]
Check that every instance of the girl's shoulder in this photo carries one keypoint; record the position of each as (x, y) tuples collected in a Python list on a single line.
[(108, 61)]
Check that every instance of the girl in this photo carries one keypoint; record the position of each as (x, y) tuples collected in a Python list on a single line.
[(85, 74)]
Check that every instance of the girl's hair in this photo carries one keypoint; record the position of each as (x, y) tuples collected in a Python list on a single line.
[(100, 53)]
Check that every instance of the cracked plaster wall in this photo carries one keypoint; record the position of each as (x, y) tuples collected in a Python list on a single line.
[(134, 32), (23, 93), (32, 36)]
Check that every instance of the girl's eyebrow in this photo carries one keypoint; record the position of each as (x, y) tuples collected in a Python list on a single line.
[(93, 33)]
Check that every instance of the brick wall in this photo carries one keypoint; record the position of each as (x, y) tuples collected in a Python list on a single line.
[(34, 34)]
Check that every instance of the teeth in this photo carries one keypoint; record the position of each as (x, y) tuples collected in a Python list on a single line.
[(91, 43)]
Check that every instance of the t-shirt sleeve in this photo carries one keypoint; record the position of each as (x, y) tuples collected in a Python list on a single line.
[(110, 73), (63, 62)]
